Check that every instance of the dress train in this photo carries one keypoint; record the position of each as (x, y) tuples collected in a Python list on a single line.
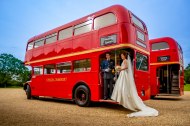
[(125, 93)]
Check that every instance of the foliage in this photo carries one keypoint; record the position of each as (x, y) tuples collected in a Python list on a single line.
[(187, 87), (12, 71), (187, 74)]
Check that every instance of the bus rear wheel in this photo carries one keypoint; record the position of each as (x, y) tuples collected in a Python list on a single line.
[(82, 96), (28, 92)]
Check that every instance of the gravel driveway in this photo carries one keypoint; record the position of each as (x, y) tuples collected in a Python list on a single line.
[(15, 109)]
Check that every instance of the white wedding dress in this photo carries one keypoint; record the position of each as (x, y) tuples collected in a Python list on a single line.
[(125, 93)]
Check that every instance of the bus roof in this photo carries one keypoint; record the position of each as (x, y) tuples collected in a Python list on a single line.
[(120, 11), (171, 42)]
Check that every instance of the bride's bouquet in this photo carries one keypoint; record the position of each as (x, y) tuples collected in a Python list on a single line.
[(117, 68)]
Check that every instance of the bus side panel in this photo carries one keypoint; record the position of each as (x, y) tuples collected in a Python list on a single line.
[(106, 31), (38, 53), (82, 42), (50, 50), (28, 55), (64, 47), (57, 85), (36, 85), (127, 33)]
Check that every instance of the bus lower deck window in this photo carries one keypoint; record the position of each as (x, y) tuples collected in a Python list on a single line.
[(49, 69), (38, 70), (64, 67), (82, 65)]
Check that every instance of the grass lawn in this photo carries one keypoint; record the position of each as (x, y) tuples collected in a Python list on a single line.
[(187, 87)]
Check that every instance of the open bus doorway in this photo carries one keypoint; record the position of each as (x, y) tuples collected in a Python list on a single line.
[(168, 79), (115, 55)]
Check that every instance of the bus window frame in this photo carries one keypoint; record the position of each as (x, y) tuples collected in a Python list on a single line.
[(50, 36), (82, 71), (144, 26), (51, 73), (37, 74), (160, 49), (32, 45), (147, 62), (74, 27), (38, 40), (143, 41), (65, 72), (116, 20), (58, 33)]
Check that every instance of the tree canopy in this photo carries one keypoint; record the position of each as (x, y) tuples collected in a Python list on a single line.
[(12, 71)]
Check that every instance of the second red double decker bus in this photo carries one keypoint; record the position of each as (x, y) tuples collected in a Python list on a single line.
[(66, 61), (166, 67)]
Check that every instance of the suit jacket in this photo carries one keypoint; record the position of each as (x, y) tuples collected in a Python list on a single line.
[(105, 65)]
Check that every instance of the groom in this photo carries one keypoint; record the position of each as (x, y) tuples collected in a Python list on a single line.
[(107, 66)]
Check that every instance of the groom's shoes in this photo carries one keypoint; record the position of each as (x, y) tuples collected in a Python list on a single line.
[(109, 98), (105, 98)]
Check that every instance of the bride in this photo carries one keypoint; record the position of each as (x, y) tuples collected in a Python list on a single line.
[(125, 91)]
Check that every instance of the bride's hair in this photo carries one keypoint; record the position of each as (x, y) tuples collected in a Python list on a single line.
[(125, 53)]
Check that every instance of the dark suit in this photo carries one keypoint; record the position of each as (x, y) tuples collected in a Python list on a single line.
[(107, 67)]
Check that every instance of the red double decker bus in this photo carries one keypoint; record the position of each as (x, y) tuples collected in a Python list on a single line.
[(66, 61), (166, 67)]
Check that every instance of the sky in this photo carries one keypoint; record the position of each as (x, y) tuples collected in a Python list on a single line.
[(23, 19)]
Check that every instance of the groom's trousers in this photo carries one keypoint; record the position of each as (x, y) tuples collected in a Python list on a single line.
[(106, 83)]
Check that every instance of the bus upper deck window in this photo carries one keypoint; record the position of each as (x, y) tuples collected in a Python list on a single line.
[(137, 22), (83, 27), (38, 43), (104, 20), (160, 46), (140, 36), (66, 33), (30, 46), (51, 38)]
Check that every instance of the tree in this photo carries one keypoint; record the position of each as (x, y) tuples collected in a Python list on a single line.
[(12, 71), (187, 74)]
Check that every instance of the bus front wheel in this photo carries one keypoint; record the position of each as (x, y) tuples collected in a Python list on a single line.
[(28, 92), (82, 96)]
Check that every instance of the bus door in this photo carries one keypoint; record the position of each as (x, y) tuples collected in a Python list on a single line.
[(163, 79), (175, 78), (115, 55), (169, 79)]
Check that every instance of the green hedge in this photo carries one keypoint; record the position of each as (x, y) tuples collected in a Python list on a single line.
[(187, 87)]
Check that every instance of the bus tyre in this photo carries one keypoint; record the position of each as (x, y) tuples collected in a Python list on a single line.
[(35, 97), (28, 92), (152, 96), (82, 96)]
